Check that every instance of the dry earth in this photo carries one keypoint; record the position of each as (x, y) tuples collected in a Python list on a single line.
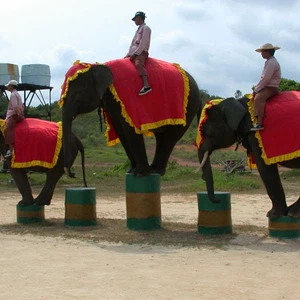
[(108, 261)]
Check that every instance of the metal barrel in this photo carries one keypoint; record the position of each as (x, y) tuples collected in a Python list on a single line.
[(214, 218), (284, 227), (143, 203), (30, 214), (80, 207)]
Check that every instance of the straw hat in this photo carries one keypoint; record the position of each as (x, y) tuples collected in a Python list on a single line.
[(267, 46), (12, 82)]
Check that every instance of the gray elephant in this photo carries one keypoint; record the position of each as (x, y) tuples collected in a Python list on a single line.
[(229, 122), (19, 174), (93, 87)]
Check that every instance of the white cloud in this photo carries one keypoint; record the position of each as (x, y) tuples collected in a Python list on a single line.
[(213, 40)]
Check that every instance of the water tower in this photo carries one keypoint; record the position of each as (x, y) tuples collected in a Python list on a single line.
[(35, 80)]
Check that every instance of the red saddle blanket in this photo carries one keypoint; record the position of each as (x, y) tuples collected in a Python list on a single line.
[(280, 139), (37, 143), (164, 105)]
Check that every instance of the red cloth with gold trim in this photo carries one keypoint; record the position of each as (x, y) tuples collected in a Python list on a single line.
[(77, 69), (164, 105), (280, 139), (37, 143)]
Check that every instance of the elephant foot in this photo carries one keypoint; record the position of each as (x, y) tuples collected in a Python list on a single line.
[(160, 172), (294, 210), (214, 200), (129, 171), (26, 203), (141, 172), (273, 213), (40, 202)]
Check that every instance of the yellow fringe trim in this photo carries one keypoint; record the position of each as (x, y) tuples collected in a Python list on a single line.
[(71, 78), (186, 89), (145, 128), (208, 105), (39, 163), (2, 126), (275, 159)]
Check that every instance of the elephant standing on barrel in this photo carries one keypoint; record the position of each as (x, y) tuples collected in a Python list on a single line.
[(30, 127), (230, 120), (93, 87)]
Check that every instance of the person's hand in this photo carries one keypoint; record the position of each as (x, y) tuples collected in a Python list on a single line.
[(133, 56)]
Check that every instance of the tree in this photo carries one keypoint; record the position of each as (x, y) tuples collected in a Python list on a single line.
[(3, 105), (238, 94), (289, 85)]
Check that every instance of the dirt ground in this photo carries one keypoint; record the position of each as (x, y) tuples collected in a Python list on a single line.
[(109, 261)]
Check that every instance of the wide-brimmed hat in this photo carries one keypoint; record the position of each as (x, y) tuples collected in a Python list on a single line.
[(267, 46), (139, 14), (12, 82)]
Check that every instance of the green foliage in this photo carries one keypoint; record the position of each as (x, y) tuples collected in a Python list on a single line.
[(238, 94), (3, 105), (289, 85)]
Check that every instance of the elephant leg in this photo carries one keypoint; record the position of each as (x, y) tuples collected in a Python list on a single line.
[(134, 146), (271, 179), (125, 144), (165, 143), (52, 177), (294, 210), (138, 152), (22, 183)]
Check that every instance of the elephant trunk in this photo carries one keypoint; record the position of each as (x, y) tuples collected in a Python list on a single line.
[(208, 176), (67, 141)]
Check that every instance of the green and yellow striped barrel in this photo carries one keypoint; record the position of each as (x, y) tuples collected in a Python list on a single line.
[(214, 218), (284, 227), (143, 205), (80, 207), (30, 214)]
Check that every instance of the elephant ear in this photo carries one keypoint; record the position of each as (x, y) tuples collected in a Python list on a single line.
[(233, 111), (102, 76)]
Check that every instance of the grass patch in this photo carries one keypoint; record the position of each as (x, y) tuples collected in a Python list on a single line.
[(106, 168)]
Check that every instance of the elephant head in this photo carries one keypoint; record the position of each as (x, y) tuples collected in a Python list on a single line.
[(83, 95), (220, 130)]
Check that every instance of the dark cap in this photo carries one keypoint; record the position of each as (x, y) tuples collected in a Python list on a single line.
[(139, 14)]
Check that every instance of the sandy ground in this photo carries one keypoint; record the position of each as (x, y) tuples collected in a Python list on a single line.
[(249, 265)]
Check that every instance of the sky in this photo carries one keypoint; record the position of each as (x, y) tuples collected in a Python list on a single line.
[(214, 40)]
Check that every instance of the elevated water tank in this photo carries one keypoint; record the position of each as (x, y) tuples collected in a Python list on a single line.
[(38, 74), (8, 72)]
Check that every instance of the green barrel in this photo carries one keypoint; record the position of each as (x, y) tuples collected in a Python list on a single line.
[(284, 227), (214, 218), (30, 214), (80, 207), (143, 206)]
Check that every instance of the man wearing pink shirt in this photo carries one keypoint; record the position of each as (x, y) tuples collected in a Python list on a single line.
[(14, 114), (139, 49), (268, 85)]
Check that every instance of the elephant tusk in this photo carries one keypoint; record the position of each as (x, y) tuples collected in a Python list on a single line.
[(205, 156)]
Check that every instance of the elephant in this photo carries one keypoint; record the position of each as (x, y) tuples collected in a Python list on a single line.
[(229, 122), (53, 174), (91, 90)]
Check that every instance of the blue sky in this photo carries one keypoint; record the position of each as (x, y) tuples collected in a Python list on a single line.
[(213, 40)]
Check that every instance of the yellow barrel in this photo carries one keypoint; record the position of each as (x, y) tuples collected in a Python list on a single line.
[(143, 205), (284, 227), (30, 214), (214, 218), (80, 207)]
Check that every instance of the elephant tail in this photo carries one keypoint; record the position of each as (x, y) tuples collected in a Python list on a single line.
[(81, 149)]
